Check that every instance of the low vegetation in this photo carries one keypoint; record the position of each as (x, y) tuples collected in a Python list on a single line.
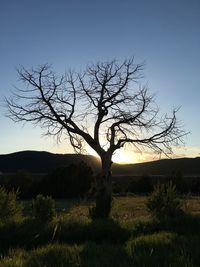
[(77, 180), (71, 181), (164, 203), (10, 209), (43, 208), (135, 234)]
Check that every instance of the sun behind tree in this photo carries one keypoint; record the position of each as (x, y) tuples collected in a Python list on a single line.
[(103, 107)]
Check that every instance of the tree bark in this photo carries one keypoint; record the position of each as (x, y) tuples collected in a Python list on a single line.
[(104, 188)]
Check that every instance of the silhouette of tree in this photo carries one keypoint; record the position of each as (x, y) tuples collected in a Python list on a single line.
[(100, 107)]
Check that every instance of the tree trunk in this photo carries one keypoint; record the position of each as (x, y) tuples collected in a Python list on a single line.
[(104, 189)]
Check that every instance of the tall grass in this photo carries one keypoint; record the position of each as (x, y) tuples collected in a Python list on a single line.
[(160, 249), (129, 238), (10, 209)]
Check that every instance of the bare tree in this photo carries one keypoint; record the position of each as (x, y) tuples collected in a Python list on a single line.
[(104, 107)]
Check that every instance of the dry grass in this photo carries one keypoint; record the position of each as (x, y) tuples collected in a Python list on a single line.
[(129, 208), (124, 208), (191, 204)]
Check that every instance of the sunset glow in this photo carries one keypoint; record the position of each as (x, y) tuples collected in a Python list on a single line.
[(122, 156), (77, 41)]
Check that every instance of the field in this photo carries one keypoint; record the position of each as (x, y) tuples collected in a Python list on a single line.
[(129, 238)]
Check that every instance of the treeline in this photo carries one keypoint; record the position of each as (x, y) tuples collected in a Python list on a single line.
[(70, 181), (77, 181), (145, 184)]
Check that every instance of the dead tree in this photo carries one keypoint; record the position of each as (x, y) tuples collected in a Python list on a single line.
[(104, 107)]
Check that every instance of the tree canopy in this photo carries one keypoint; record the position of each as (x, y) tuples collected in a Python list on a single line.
[(105, 107)]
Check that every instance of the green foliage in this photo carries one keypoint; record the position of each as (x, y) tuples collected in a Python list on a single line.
[(43, 208), (10, 209), (99, 231), (72, 239), (52, 255), (64, 255), (163, 203), (55, 255), (159, 249)]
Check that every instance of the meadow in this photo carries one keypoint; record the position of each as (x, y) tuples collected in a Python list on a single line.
[(131, 237)]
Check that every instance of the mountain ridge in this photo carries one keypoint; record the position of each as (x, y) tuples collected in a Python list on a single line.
[(43, 162)]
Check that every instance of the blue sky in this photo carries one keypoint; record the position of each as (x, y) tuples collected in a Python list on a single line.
[(73, 33)]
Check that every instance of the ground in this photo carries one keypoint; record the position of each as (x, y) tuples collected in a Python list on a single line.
[(130, 238)]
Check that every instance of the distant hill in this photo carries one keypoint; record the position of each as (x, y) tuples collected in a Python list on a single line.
[(44, 162), (188, 166)]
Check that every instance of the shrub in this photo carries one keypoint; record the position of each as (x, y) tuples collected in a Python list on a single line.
[(163, 203), (43, 208), (70, 181), (159, 249), (10, 209)]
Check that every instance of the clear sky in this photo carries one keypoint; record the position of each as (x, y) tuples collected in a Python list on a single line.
[(72, 33)]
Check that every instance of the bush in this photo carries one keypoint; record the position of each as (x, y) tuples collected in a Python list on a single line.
[(10, 209), (43, 208), (70, 181), (159, 249), (163, 203)]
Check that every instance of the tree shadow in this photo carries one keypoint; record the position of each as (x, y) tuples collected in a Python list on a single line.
[(106, 255), (98, 231)]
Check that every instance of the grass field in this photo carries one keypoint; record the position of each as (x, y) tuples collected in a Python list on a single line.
[(130, 238)]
